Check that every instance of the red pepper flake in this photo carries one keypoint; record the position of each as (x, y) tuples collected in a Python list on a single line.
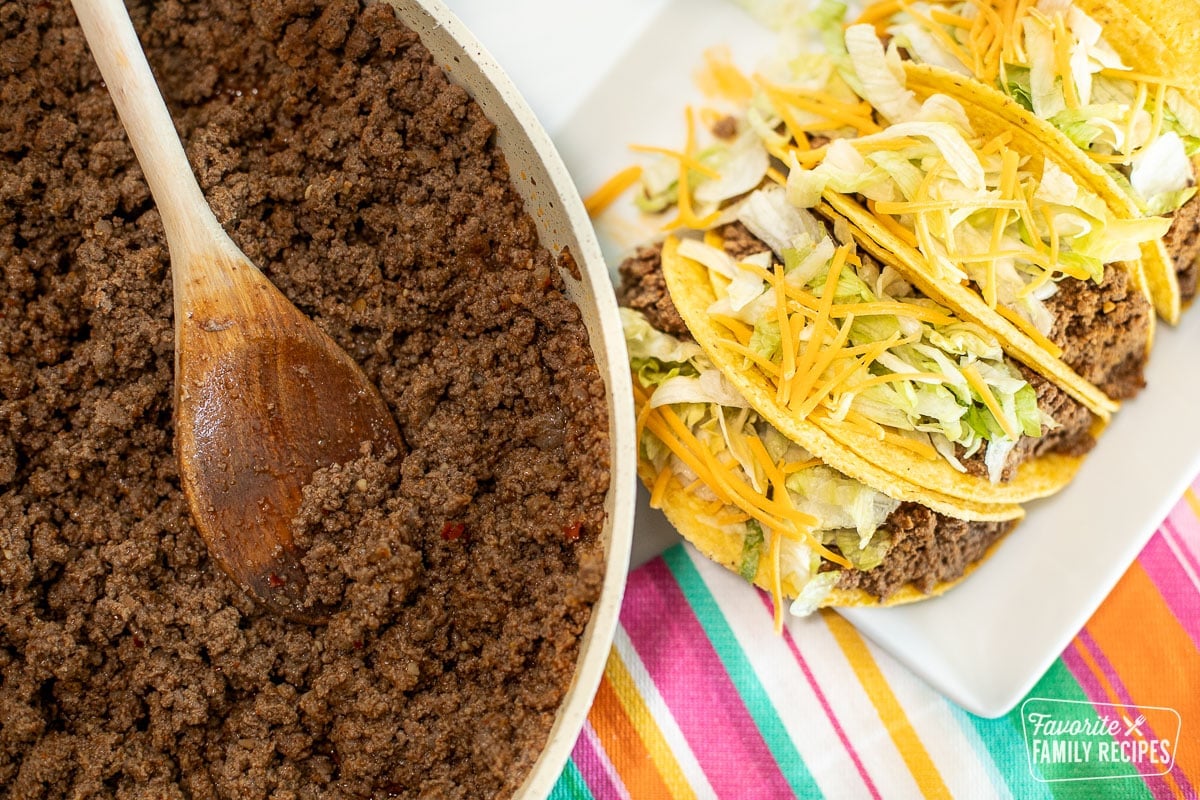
[(453, 531), (274, 581), (573, 531), (358, 645), (137, 641)]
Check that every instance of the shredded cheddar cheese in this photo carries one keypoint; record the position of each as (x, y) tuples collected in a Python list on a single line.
[(613, 188), (719, 77)]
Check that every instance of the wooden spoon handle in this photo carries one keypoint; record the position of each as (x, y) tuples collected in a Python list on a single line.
[(189, 223)]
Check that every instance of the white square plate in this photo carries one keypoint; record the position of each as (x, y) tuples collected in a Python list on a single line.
[(603, 79)]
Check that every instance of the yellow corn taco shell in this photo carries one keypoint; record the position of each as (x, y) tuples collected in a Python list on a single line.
[(1161, 39), (879, 464), (1159, 36), (992, 114), (1162, 42), (689, 515)]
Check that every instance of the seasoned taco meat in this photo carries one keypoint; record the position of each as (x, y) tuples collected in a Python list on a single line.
[(1183, 244), (644, 288), (739, 242), (927, 549), (1072, 437), (1102, 330), (343, 161)]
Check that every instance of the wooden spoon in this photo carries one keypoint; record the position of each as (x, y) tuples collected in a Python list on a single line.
[(263, 397)]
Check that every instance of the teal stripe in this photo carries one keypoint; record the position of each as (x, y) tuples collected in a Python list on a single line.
[(571, 785), (1059, 684), (741, 673), (1004, 746)]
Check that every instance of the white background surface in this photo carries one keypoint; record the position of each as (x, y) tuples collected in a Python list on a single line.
[(603, 75)]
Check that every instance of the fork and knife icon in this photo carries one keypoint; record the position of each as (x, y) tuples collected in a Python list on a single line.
[(1133, 725)]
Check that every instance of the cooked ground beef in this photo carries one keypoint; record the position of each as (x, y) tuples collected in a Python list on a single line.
[(643, 288), (927, 548), (1072, 437), (739, 242), (1102, 330), (1183, 243), (371, 190), (726, 127)]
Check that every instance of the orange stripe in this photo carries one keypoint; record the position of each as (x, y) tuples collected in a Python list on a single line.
[(1111, 695), (625, 749), (891, 713), (1154, 656), (617, 675)]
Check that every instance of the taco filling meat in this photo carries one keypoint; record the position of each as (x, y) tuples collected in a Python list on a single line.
[(1183, 244)]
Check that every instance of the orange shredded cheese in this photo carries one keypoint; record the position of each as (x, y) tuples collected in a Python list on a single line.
[(893, 225), (719, 77), (611, 189), (1033, 333), (659, 490)]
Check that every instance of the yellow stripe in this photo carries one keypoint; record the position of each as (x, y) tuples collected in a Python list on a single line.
[(646, 727), (1193, 500), (891, 713)]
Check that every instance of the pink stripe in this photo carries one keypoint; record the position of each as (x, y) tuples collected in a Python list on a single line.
[(1158, 785), (833, 720), (591, 766), (696, 688), (1184, 545), (1178, 592), (1095, 692)]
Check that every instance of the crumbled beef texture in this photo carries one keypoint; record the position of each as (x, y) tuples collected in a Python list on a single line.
[(643, 288), (726, 127), (1102, 330), (739, 242), (1072, 436), (370, 189), (927, 548), (1183, 243)]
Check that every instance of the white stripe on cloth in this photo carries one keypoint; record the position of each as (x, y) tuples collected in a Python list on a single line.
[(602, 756), (663, 717), (795, 702)]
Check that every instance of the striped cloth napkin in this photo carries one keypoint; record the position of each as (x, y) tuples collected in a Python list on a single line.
[(701, 700)]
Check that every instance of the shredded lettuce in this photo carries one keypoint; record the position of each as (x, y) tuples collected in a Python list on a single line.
[(752, 546), (881, 74), (841, 502), (863, 556), (652, 352), (742, 165), (814, 593), (1162, 173)]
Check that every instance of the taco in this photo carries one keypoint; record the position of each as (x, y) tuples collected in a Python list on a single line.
[(847, 358), (986, 216), (1114, 79), (749, 498)]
